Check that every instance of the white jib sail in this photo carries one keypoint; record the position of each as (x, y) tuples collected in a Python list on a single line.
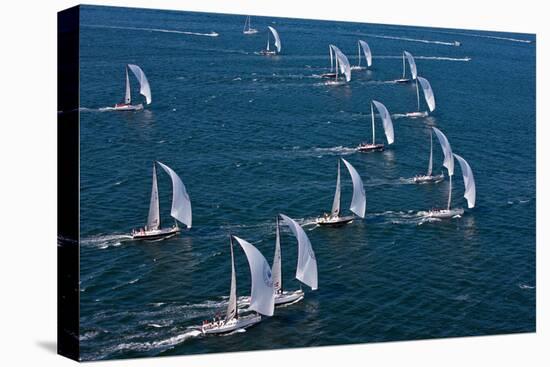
[(448, 161), (306, 269), (276, 271), (181, 204), (430, 163), (428, 93), (128, 93), (276, 36), (232, 304), (386, 120), (366, 51), (412, 64), (144, 88), (262, 296), (469, 182), (336, 202), (153, 220), (330, 50), (345, 66), (359, 199)]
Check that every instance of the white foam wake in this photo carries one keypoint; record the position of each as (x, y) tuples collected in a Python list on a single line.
[(445, 43), (420, 57), (211, 34)]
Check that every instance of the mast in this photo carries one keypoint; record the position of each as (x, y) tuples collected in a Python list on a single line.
[(128, 94), (417, 96), (430, 164), (232, 310), (153, 219), (372, 114), (359, 53), (276, 271), (403, 65), (337, 193), (246, 21)]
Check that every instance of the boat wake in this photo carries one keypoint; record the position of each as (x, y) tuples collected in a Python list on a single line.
[(437, 58), (160, 345), (211, 34), (488, 36), (105, 241), (338, 150), (525, 286), (445, 43)]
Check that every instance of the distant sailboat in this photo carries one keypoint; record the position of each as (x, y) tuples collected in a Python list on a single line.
[(412, 67), (306, 268), (388, 129), (247, 28), (145, 90), (469, 182), (332, 73), (181, 209), (277, 41), (358, 202), (262, 297), (368, 55), (428, 96), (429, 177), (341, 66)]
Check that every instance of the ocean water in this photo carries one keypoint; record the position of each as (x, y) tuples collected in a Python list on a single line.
[(255, 136)]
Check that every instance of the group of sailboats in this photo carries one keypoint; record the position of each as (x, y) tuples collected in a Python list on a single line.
[(266, 283)]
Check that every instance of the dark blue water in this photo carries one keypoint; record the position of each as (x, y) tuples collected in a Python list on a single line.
[(253, 136)]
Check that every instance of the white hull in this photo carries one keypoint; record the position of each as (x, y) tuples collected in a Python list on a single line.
[(128, 107), (416, 114), (288, 297), (358, 68), (250, 31), (367, 148), (443, 213), (428, 179), (222, 327), (157, 234), (334, 221), (335, 82)]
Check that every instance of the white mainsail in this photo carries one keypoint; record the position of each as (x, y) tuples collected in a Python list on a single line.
[(306, 269), (469, 182), (277, 39), (262, 296), (412, 64), (181, 204), (145, 90), (246, 23), (153, 219), (448, 160), (336, 202), (232, 304), (430, 164), (386, 121), (276, 272), (331, 51), (366, 50), (359, 199), (428, 93), (128, 94)]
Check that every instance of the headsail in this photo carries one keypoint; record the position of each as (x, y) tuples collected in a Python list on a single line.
[(153, 220), (128, 93), (448, 161), (386, 120), (367, 52), (430, 164), (359, 199), (232, 304), (412, 64), (469, 182), (181, 204), (276, 271), (262, 296), (277, 39), (306, 269), (331, 51), (345, 67), (336, 202), (428, 93), (144, 89)]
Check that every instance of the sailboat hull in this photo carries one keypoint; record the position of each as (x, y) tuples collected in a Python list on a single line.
[(268, 53), (443, 213), (422, 179), (128, 107), (223, 327), (250, 31), (367, 148), (335, 221), (358, 67), (160, 234), (403, 80), (328, 75), (416, 114), (288, 297)]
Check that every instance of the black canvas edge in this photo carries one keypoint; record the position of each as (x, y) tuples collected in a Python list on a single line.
[(68, 183)]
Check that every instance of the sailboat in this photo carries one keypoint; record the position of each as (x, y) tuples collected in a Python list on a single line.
[(388, 129), (306, 268), (262, 297), (247, 28), (412, 66), (341, 66), (333, 72), (181, 209), (358, 200), (468, 176), (368, 55), (428, 96), (144, 89), (429, 177), (277, 50)]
